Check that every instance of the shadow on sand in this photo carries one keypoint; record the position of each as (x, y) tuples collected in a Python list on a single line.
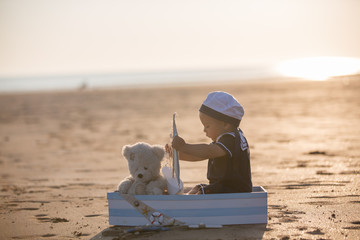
[(246, 231)]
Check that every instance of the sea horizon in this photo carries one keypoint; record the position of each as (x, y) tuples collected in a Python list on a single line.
[(130, 79)]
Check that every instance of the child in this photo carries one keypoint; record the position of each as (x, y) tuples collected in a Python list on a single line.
[(228, 154)]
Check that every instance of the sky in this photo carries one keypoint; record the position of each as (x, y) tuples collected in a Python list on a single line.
[(64, 37)]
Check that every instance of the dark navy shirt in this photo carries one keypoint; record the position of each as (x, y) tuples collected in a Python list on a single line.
[(232, 172)]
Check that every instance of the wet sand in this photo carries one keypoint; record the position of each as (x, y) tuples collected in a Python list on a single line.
[(60, 153)]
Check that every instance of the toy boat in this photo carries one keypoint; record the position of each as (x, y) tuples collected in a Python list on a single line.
[(209, 210)]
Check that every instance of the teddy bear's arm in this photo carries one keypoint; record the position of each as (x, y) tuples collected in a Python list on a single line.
[(125, 184), (157, 186), (138, 188)]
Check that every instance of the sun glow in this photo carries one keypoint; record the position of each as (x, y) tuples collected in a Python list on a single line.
[(319, 68)]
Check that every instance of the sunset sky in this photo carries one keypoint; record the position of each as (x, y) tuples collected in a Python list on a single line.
[(50, 37)]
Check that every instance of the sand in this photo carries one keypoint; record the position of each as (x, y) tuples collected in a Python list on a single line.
[(60, 153)]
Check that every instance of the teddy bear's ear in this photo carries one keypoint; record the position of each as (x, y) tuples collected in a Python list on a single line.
[(128, 154), (158, 151)]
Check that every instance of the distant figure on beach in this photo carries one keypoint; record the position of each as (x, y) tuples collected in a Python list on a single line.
[(229, 155)]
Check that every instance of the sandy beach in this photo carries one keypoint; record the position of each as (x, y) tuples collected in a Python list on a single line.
[(60, 153)]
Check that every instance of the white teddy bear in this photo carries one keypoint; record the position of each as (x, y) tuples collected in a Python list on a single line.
[(144, 163)]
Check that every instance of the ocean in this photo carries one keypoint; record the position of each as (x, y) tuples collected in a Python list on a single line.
[(131, 79)]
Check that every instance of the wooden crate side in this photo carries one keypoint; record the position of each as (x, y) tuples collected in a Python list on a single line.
[(223, 220), (190, 204), (210, 211), (224, 209), (258, 192)]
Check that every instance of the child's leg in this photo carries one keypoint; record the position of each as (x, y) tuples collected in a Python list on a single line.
[(194, 190), (198, 189)]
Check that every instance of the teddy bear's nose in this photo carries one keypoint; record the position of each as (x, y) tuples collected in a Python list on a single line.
[(140, 175)]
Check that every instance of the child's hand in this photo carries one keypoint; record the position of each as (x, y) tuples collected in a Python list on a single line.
[(169, 150), (178, 143)]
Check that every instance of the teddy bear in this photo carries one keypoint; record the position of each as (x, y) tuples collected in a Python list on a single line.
[(144, 161)]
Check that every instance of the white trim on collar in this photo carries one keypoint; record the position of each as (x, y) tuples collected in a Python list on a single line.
[(243, 142)]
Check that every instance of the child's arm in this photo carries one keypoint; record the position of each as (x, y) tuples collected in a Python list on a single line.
[(182, 155), (196, 152), (187, 157)]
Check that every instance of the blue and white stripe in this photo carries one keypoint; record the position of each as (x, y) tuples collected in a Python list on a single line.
[(211, 209)]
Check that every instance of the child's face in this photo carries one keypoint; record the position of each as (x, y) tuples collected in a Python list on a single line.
[(213, 127)]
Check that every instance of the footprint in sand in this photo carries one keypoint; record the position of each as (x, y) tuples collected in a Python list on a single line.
[(353, 172), (322, 172), (353, 227), (317, 153), (283, 214), (316, 232), (93, 215), (44, 218), (58, 220), (28, 209), (48, 235)]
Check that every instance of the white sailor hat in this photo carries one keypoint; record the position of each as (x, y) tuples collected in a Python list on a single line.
[(224, 107)]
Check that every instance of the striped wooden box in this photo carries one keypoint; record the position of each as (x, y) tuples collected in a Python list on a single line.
[(211, 209)]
